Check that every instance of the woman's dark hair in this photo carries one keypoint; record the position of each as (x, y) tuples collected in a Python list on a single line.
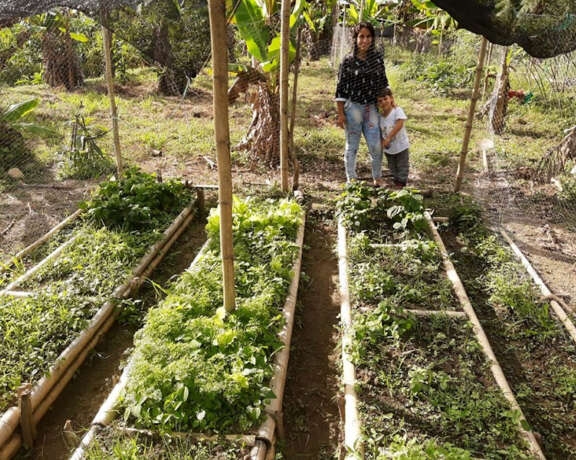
[(357, 28)]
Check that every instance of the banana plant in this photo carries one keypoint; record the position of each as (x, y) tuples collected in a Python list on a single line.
[(60, 57), (257, 23), (14, 118)]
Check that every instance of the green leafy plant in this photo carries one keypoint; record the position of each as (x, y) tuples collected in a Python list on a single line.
[(84, 159), (136, 201), (373, 210), (197, 369)]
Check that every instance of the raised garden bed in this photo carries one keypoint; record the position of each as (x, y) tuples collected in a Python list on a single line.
[(424, 387), (196, 369), (535, 349), (69, 302)]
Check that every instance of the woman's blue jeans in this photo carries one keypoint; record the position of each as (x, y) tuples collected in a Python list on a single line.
[(362, 118)]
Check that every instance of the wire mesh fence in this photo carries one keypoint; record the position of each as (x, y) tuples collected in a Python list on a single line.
[(53, 127)]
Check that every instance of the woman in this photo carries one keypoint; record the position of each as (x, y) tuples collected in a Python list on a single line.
[(360, 79)]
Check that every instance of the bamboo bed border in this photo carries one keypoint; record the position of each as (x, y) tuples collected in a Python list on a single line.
[(495, 367), (556, 307), (28, 249), (51, 385), (352, 440), (32, 271), (263, 448)]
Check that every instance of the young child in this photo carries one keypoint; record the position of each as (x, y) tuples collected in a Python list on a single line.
[(394, 137)]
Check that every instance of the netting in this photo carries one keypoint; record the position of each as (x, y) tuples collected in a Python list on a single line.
[(527, 143), (59, 44), (523, 149)]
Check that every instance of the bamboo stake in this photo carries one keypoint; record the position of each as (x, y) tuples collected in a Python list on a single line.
[(556, 307), (352, 440), (28, 249), (26, 421), (30, 273), (273, 421), (284, 67), (470, 120), (483, 340), (291, 151), (247, 439), (425, 313), (487, 76), (107, 44), (17, 293), (217, 9)]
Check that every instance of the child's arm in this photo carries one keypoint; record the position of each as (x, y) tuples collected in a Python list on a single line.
[(397, 127)]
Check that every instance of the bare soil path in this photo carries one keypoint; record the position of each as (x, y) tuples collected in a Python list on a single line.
[(311, 416)]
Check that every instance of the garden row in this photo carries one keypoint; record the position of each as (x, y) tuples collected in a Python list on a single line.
[(56, 303), (425, 387), (537, 350), (197, 369)]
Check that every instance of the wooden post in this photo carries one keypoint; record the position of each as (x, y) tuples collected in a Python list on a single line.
[(217, 9), (284, 65), (26, 419), (201, 201), (487, 76), (107, 45), (470, 120), (295, 180)]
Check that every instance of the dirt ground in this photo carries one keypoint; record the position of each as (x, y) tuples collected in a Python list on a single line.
[(543, 237), (311, 414)]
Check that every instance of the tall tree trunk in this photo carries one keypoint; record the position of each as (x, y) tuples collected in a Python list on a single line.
[(498, 116), (172, 81), (61, 63)]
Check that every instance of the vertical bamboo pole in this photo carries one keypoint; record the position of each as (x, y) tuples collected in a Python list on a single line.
[(217, 11), (295, 180), (107, 45), (284, 65), (470, 120)]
